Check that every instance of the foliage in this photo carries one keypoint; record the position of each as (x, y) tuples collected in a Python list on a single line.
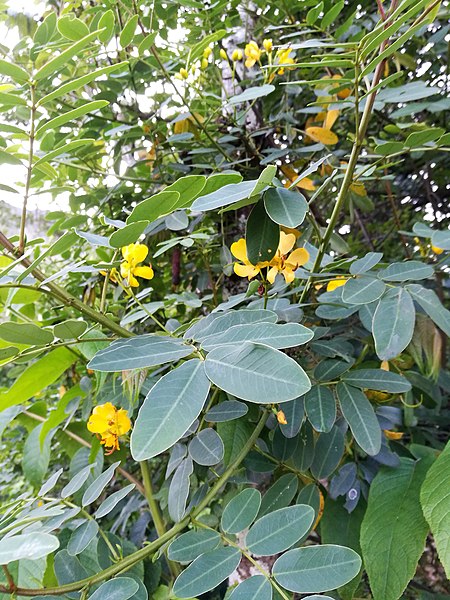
[(229, 350)]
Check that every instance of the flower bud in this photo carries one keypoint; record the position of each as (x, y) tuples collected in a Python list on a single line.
[(268, 46), (207, 52), (237, 55), (223, 54)]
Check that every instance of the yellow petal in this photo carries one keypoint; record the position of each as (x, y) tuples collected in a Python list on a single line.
[(306, 184), (384, 365), (271, 274), (335, 283), (138, 253), (437, 250), (393, 435), (298, 258), (132, 281), (97, 424), (125, 269), (288, 274), (287, 242), (249, 62), (330, 119), (239, 250), (322, 135), (123, 422), (245, 270), (281, 418), (144, 272)]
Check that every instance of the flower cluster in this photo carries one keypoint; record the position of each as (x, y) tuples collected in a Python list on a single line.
[(109, 423), (285, 260)]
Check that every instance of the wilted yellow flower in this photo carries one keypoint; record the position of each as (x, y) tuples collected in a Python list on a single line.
[(436, 249), (246, 269), (284, 59), (384, 365), (237, 55), (268, 45), (129, 269), (281, 418), (207, 52), (286, 263), (223, 54), (109, 423), (253, 54), (335, 283)]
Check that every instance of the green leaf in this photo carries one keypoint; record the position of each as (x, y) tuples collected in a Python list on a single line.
[(331, 15), (9, 159), (256, 587), (81, 537), (304, 454), (320, 407), (30, 546), (251, 93), (206, 572), (360, 416), (21, 333), (265, 179), (328, 452), (285, 207), (99, 484), (393, 323), (139, 352), (287, 335), (46, 29), (234, 435), (169, 409), (430, 303), (256, 373), (70, 329), (188, 187), (226, 411), (316, 568), (404, 271), (207, 328), (228, 194), (16, 73), (154, 207), (68, 568), (279, 495), (72, 28), (435, 500), (311, 496), (393, 531), (387, 148), (377, 379), (128, 234), (112, 501), (119, 588), (441, 239), (59, 61), (179, 490), (77, 481), (70, 115), (188, 546), (262, 235), (362, 290), (147, 43), (206, 448), (64, 150), (36, 457), (43, 372), (279, 530), (419, 138), (106, 26), (241, 511), (127, 34)]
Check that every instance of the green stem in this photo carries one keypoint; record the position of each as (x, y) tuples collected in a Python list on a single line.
[(128, 561), (23, 218), (155, 510)]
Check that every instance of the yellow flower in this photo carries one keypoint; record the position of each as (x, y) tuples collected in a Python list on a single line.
[(109, 423), (281, 418), (183, 74), (129, 269), (207, 52), (223, 54), (336, 283), (268, 46), (239, 251), (393, 435), (436, 249), (253, 54), (284, 59), (237, 55), (286, 263)]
